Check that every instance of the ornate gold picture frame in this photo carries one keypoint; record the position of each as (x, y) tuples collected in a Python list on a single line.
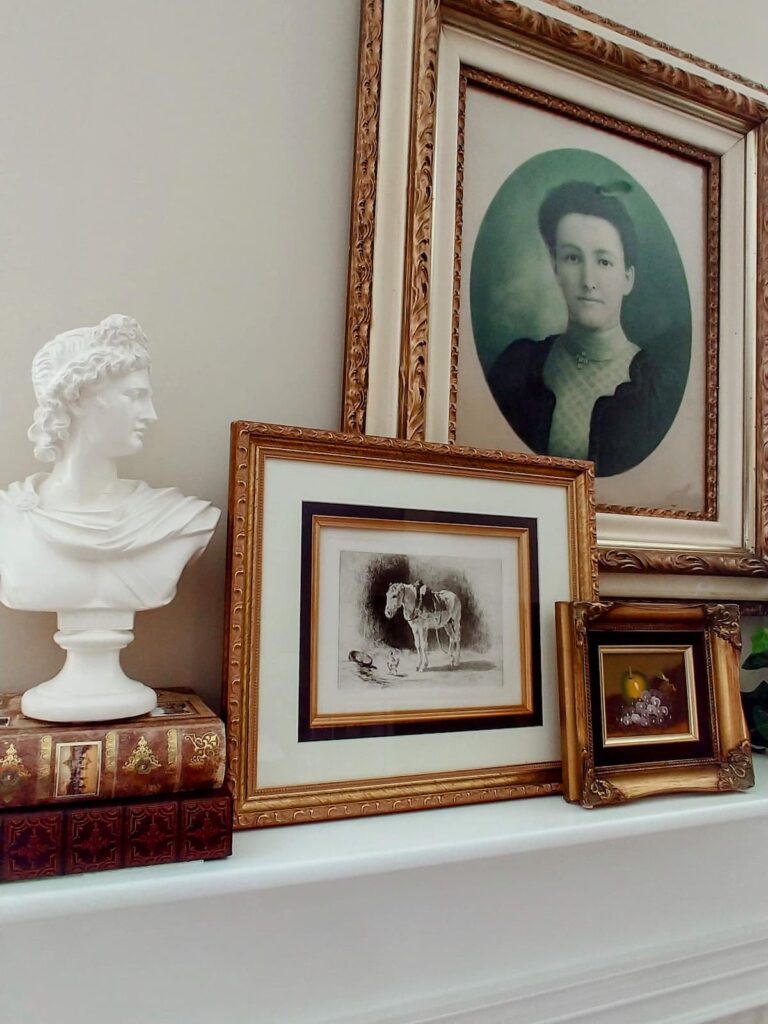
[(495, 107), (650, 703), (391, 634)]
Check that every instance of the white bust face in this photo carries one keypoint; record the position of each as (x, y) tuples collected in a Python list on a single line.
[(112, 417)]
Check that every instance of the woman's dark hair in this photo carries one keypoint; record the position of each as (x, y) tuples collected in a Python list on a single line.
[(594, 201)]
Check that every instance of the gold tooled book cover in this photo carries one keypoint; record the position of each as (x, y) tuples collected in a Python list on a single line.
[(177, 747)]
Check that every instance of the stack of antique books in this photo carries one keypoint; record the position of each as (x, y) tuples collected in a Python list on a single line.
[(103, 795)]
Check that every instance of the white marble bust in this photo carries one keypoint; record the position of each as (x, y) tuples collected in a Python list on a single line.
[(82, 541)]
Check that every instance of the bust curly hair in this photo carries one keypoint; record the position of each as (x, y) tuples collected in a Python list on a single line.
[(76, 360)]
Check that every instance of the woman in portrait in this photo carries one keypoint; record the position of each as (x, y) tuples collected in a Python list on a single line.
[(589, 392)]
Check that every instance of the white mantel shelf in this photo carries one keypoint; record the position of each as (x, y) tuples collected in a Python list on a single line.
[(526, 911), (328, 851)]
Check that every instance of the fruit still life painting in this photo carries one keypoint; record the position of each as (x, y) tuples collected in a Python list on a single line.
[(648, 695)]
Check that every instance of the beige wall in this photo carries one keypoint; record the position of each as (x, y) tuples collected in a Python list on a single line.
[(731, 33), (188, 162)]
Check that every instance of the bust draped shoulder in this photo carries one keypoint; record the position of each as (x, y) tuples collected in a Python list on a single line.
[(129, 556)]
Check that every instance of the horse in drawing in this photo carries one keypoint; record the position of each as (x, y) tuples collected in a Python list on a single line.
[(444, 613)]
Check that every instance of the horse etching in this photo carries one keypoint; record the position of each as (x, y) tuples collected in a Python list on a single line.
[(445, 613)]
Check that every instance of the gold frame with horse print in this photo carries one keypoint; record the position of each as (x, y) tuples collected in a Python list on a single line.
[(328, 533)]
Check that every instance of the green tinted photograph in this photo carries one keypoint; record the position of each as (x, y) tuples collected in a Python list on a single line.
[(580, 310)]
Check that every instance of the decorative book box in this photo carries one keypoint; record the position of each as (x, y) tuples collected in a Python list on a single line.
[(177, 747), (120, 833)]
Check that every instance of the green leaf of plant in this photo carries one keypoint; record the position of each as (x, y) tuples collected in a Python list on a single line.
[(760, 641), (754, 698), (761, 722)]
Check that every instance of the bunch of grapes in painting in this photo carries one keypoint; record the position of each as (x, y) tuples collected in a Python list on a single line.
[(649, 702), (650, 709)]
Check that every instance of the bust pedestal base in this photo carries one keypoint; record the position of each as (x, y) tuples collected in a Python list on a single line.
[(91, 687)]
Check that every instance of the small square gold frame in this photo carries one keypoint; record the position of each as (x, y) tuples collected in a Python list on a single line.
[(593, 785)]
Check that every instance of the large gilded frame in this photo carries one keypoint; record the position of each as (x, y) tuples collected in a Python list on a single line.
[(257, 446), (590, 46)]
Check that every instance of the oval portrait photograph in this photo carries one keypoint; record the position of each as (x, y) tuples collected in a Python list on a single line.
[(580, 310)]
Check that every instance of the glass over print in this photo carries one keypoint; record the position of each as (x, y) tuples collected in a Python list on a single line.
[(424, 621), (582, 325)]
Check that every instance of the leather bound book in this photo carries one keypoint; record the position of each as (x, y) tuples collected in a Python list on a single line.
[(122, 833), (178, 747)]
